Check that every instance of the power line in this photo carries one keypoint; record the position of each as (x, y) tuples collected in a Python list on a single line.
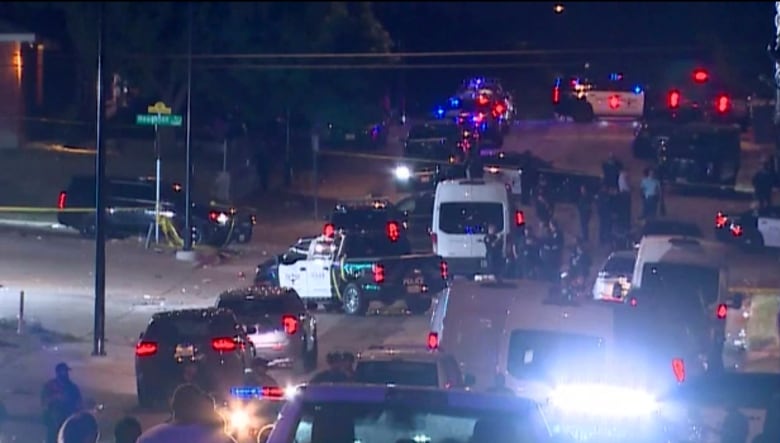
[(336, 55)]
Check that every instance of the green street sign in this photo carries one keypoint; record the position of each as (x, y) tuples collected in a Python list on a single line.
[(158, 120)]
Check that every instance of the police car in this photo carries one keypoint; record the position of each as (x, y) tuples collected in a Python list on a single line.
[(410, 366), (756, 228), (583, 99), (368, 413), (429, 150), (368, 215), (349, 270)]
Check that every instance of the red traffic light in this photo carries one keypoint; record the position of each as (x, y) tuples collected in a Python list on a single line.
[(700, 76), (674, 99)]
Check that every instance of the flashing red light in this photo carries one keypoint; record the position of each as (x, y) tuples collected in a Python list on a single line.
[(678, 367), (722, 311), (290, 324), (633, 302), (482, 100), (224, 344), (519, 218), (700, 76), (379, 273), (213, 215), (499, 109), (444, 270), (674, 99), (614, 102), (433, 340), (479, 117), (736, 230), (329, 230), (721, 220), (272, 392), (723, 104), (145, 348), (393, 231), (61, 200), (556, 95)]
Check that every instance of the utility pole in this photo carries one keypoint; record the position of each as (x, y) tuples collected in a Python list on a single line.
[(99, 328), (188, 148)]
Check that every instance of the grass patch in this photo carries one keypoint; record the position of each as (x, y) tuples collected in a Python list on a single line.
[(762, 325)]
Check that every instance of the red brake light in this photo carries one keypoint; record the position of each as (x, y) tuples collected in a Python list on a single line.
[(736, 230), (272, 392), (723, 104), (329, 230), (678, 367), (145, 348), (393, 231), (674, 99), (379, 273), (444, 270), (721, 220), (722, 311), (614, 102), (700, 76), (499, 109), (224, 344), (213, 215), (519, 218), (556, 95), (482, 100), (290, 323), (433, 340), (61, 200)]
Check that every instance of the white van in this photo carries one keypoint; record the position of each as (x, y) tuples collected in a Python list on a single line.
[(511, 332), (462, 211)]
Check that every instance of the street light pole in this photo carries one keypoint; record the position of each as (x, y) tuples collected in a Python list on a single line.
[(777, 66), (188, 148), (99, 329)]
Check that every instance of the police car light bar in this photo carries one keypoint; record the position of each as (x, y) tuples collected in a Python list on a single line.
[(263, 392)]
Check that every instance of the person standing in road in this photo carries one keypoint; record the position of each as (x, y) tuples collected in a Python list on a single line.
[(611, 171), (60, 398), (585, 210), (494, 252), (624, 199), (651, 194), (762, 186)]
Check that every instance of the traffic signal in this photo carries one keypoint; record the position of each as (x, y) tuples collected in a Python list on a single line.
[(700, 76)]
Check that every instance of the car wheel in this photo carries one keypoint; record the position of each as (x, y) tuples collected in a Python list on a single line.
[(311, 356), (146, 399), (417, 305), (354, 301)]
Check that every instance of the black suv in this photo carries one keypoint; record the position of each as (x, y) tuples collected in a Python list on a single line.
[(210, 339), (130, 211)]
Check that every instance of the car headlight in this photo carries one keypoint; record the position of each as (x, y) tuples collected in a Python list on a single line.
[(402, 173), (603, 400), (239, 419)]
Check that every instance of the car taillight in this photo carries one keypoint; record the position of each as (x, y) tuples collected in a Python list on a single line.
[(519, 218), (722, 104), (145, 348), (556, 95), (722, 311), (62, 199), (224, 344), (433, 340), (444, 270), (393, 231), (674, 99), (290, 324), (213, 215), (379, 273), (329, 230), (678, 368), (721, 220), (736, 230)]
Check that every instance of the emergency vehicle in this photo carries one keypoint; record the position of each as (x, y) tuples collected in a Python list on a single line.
[(753, 229), (584, 100), (346, 270)]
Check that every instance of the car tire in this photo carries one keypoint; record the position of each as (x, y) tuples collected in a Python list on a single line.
[(355, 302), (146, 400), (310, 357), (418, 306)]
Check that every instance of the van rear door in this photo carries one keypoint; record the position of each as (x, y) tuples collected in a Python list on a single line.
[(463, 225)]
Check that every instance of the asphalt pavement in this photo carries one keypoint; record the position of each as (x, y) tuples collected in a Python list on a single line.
[(56, 273)]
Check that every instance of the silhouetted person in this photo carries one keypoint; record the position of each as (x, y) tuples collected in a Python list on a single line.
[(494, 252), (127, 430), (80, 427), (762, 186), (60, 398), (610, 171)]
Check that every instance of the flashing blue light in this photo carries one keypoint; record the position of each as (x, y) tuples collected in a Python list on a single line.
[(454, 102), (246, 392), (558, 82), (440, 112), (637, 89), (616, 76)]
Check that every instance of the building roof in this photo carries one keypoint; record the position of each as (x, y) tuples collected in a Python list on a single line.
[(10, 32)]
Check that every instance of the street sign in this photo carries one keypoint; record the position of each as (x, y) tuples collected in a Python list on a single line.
[(158, 120), (159, 108)]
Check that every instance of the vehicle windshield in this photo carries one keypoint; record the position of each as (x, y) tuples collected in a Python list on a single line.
[(619, 265), (173, 330), (420, 421), (261, 306), (687, 287), (552, 356), (399, 372), (671, 228), (361, 219), (470, 218)]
